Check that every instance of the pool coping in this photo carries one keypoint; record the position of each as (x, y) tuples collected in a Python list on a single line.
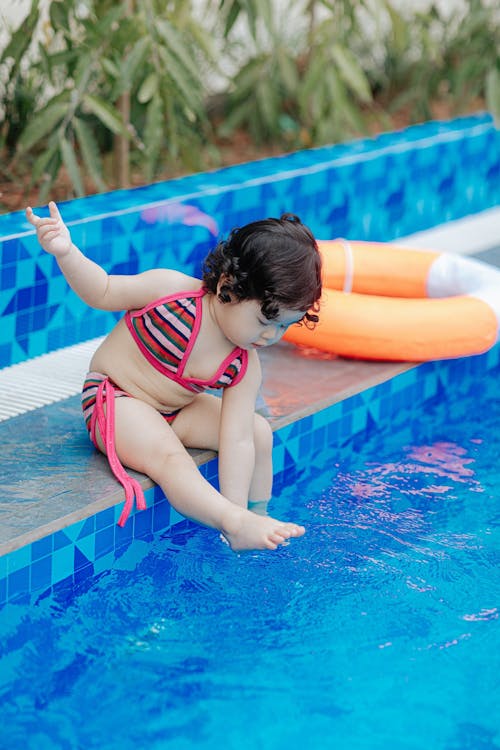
[(112, 496)]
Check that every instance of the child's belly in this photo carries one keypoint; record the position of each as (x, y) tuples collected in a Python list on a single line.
[(120, 359)]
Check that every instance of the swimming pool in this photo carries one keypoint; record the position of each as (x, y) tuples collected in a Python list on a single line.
[(379, 629)]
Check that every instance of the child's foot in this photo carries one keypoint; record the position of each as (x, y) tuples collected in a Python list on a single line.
[(245, 530)]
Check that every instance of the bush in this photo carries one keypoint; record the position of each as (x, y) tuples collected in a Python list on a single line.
[(100, 88)]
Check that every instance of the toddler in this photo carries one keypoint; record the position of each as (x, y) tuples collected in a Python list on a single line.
[(144, 397)]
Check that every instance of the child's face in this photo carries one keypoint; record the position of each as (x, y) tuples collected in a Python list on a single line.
[(245, 326)]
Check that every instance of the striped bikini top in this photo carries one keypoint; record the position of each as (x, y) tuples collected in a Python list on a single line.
[(166, 330)]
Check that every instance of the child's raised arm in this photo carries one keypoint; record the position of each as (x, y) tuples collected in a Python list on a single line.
[(91, 282), (85, 277)]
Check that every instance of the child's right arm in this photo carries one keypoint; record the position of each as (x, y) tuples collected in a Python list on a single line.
[(91, 282)]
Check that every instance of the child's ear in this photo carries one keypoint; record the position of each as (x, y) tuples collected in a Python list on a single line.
[(224, 288)]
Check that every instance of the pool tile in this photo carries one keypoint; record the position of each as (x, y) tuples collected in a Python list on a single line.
[(41, 574), (18, 582), (104, 519), (19, 559), (161, 515), (62, 564), (104, 541), (143, 523), (85, 546), (41, 548)]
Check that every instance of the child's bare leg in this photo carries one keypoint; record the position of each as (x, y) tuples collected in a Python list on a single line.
[(198, 426), (146, 443)]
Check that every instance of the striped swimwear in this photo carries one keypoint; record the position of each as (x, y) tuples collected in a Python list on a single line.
[(165, 332)]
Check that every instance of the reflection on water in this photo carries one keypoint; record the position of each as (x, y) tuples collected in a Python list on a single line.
[(378, 629)]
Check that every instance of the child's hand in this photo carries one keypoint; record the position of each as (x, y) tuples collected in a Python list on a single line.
[(53, 234)]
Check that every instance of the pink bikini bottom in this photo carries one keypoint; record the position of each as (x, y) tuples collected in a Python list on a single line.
[(98, 390)]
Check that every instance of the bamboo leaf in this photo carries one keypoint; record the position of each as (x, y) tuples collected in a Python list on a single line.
[(42, 123), (89, 151), (237, 116), (288, 71), (50, 175), (178, 48), (153, 133), (110, 67), (189, 93), (267, 103), (41, 163), (148, 88), (71, 164), (22, 37), (400, 30), (58, 13), (134, 60), (232, 16), (351, 72), (105, 114)]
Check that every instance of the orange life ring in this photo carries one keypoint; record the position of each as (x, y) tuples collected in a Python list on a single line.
[(385, 302)]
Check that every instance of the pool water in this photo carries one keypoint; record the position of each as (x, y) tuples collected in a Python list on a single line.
[(379, 629)]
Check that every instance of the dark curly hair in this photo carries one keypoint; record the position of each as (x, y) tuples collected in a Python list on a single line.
[(273, 261)]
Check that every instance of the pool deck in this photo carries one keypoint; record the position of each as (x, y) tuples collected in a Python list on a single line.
[(51, 477)]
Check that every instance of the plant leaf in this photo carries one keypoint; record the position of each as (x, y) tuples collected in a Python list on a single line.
[(351, 72), (153, 133), (42, 123), (178, 47), (22, 37), (106, 114), (89, 151), (148, 88), (70, 161)]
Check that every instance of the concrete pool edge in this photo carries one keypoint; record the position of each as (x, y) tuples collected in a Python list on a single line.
[(112, 497)]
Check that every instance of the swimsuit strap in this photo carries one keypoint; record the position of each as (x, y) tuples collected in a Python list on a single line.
[(106, 423)]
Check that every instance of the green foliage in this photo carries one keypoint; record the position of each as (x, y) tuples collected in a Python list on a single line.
[(96, 74), (453, 57), (93, 54)]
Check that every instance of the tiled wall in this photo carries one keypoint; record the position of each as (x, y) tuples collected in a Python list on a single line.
[(82, 550), (374, 189)]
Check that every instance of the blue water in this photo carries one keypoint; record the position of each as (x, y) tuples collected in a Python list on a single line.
[(379, 630)]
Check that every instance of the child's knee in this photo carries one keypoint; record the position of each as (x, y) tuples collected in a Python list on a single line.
[(263, 435)]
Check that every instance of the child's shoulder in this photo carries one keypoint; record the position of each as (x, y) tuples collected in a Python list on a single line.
[(164, 282)]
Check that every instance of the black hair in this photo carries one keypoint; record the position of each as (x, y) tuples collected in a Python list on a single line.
[(273, 261)]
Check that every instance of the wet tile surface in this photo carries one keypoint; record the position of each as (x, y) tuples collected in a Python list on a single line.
[(51, 476)]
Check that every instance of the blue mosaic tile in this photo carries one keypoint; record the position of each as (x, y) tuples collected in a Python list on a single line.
[(18, 582), (41, 574), (41, 548), (143, 524), (105, 519), (124, 535), (19, 559), (359, 189), (85, 528), (161, 516), (104, 541), (62, 564)]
